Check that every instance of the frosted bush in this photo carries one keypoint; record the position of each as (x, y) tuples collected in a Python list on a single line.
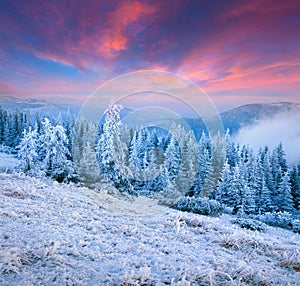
[(250, 224), (199, 206), (7, 150), (296, 226), (280, 219)]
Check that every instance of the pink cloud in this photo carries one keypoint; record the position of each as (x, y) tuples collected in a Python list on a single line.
[(257, 49), (6, 88), (262, 8), (74, 33), (115, 38)]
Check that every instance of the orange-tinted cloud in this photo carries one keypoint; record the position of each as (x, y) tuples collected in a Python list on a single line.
[(115, 37)]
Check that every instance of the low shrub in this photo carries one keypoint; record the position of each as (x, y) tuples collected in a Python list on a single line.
[(7, 150), (296, 226), (280, 219), (199, 206), (250, 224)]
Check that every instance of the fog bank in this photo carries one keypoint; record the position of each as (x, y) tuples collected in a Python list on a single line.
[(283, 128)]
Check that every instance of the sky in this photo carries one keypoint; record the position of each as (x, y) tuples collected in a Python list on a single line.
[(238, 52)]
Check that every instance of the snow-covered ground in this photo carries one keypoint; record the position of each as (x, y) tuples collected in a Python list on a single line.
[(8, 162), (58, 234)]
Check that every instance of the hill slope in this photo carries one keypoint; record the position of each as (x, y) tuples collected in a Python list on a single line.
[(56, 234)]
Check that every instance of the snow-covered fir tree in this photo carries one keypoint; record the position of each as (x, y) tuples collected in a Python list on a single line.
[(204, 164), (173, 159), (231, 150), (224, 191), (106, 156), (28, 150), (54, 152), (182, 159), (218, 158), (146, 168), (264, 203), (281, 158), (248, 201), (284, 194), (84, 151), (295, 185), (237, 189), (87, 167)]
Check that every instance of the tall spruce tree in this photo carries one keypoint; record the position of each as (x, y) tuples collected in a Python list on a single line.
[(84, 151), (106, 156), (218, 158), (231, 150), (295, 185), (54, 152), (28, 150), (284, 194), (224, 190)]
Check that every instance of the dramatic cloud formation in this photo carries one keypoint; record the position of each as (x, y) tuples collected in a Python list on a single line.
[(115, 38), (238, 51), (256, 48), (282, 128)]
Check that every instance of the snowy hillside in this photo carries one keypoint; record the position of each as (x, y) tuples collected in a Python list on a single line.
[(57, 234)]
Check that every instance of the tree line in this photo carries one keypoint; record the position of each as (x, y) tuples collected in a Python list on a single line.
[(145, 161)]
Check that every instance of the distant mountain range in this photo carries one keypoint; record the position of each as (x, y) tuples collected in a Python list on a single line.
[(43, 107), (234, 119), (250, 114), (247, 115)]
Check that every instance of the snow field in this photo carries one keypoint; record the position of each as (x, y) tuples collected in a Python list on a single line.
[(58, 234)]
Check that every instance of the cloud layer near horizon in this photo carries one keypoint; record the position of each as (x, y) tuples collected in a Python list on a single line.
[(235, 50), (284, 128)]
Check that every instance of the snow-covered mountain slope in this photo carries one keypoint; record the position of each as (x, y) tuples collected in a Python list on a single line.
[(43, 107), (57, 234)]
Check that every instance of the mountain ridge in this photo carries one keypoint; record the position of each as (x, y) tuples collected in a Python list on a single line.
[(233, 119), (249, 114), (41, 106)]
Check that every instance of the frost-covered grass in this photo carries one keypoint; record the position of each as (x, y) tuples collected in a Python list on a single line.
[(58, 234)]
